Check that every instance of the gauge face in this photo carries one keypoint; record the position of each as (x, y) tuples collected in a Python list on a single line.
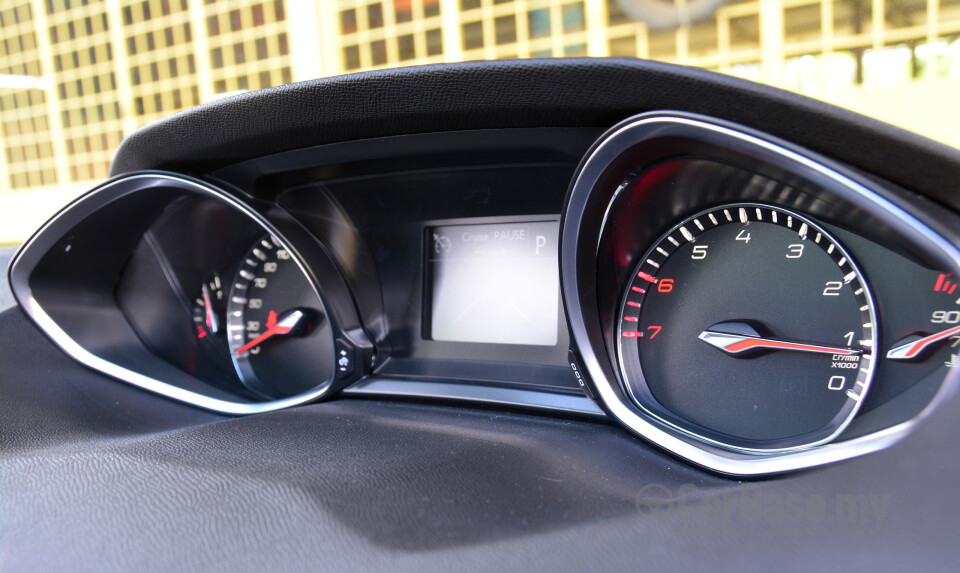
[(280, 341), (749, 327)]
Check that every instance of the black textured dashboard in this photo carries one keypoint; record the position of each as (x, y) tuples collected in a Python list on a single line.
[(98, 475), (478, 268)]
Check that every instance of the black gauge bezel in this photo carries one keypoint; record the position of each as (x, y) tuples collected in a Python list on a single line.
[(633, 379)]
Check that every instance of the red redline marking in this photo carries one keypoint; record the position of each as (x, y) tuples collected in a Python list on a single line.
[(632, 334), (939, 282), (630, 318), (749, 343), (646, 277), (953, 288), (631, 303), (638, 289)]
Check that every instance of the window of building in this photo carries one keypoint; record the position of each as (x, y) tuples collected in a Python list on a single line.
[(265, 80), (351, 57), (220, 86), (378, 52), (213, 25), (472, 35), (257, 12), (539, 22), (261, 44), (403, 10), (431, 8), (469, 4), (235, 22), (505, 28), (348, 21), (575, 50), (282, 44), (573, 18), (434, 42), (216, 58), (375, 16), (406, 48), (239, 55)]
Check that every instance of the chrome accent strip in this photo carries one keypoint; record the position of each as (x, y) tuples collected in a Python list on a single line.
[(497, 395), (608, 148), (53, 230)]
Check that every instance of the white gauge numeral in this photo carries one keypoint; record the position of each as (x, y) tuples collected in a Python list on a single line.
[(283, 254), (255, 303), (699, 252), (945, 317), (260, 282), (253, 325), (744, 236), (849, 337), (836, 383), (795, 251), (269, 267), (832, 288)]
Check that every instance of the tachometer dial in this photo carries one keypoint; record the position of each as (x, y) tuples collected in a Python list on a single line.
[(280, 341), (748, 326)]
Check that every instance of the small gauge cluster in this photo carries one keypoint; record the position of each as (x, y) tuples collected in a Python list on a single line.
[(197, 296), (754, 309)]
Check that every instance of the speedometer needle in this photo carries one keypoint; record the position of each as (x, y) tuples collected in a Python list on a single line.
[(912, 347), (744, 338), (293, 321)]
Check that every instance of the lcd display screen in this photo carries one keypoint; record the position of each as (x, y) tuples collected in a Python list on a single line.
[(496, 283)]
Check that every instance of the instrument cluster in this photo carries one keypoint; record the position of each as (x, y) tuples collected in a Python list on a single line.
[(740, 302)]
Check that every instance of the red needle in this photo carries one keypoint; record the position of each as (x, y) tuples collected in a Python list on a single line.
[(736, 343), (208, 306), (291, 321), (911, 349)]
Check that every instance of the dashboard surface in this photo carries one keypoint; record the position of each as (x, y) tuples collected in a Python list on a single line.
[(98, 475)]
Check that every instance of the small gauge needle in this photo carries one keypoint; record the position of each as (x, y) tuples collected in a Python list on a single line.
[(912, 346), (213, 325), (286, 325), (739, 337)]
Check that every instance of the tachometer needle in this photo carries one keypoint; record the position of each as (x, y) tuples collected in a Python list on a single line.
[(737, 338), (293, 321), (912, 347)]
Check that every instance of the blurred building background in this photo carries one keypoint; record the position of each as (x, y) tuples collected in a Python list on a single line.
[(76, 76)]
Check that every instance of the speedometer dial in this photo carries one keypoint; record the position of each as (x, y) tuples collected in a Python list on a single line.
[(280, 339), (748, 326)]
